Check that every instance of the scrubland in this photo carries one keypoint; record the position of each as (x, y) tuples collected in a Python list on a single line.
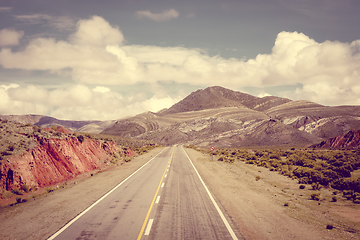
[(285, 194)]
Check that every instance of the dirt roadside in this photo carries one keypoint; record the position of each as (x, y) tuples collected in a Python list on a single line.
[(40, 218), (257, 207)]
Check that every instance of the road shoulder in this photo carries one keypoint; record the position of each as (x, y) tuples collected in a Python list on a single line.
[(257, 207)]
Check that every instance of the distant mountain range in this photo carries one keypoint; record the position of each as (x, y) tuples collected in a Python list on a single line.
[(76, 126), (225, 118)]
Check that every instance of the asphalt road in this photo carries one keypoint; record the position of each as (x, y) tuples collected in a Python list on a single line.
[(165, 199)]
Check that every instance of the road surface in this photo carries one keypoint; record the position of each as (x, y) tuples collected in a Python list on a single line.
[(165, 199)]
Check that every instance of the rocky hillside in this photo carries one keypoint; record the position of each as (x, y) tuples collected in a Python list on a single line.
[(225, 118), (219, 97), (35, 157), (347, 140)]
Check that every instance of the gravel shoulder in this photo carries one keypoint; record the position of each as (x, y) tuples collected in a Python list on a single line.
[(257, 207)]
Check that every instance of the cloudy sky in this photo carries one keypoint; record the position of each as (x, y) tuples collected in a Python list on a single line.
[(89, 59)]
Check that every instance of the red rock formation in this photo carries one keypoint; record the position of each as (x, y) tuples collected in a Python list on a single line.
[(350, 139), (55, 160)]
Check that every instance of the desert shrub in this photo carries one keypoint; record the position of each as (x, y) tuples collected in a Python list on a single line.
[(18, 199), (334, 199), (88, 135), (275, 156), (116, 155), (221, 159), (16, 191), (343, 172), (81, 138), (11, 147), (302, 186), (286, 204), (5, 153), (304, 180), (315, 186), (257, 178), (346, 184), (315, 196), (58, 134), (329, 226), (25, 188)]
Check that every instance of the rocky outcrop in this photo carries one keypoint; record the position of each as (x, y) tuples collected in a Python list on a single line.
[(348, 140), (55, 160)]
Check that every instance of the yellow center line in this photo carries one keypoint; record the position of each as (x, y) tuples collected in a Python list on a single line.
[(152, 203)]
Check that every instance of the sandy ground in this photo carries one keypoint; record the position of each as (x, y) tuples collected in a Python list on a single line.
[(256, 208)]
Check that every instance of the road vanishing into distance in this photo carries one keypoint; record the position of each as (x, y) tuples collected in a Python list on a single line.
[(164, 199)]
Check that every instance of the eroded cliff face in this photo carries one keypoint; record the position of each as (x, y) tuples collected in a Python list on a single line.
[(349, 140), (56, 160)]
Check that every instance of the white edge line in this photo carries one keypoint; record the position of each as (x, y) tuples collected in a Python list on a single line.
[(157, 199), (148, 228), (99, 200), (213, 201)]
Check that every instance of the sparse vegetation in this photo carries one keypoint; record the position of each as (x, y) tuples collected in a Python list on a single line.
[(81, 138), (25, 188), (315, 196), (18, 199), (11, 147), (16, 191), (329, 226), (318, 168)]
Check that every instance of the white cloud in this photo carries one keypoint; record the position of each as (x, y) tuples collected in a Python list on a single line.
[(158, 17), (11, 85), (96, 32), (33, 18), (78, 102), (5, 9), (156, 104), (94, 54), (101, 89), (263, 94), (10, 37), (58, 22)]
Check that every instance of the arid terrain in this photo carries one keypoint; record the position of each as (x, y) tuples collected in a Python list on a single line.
[(49, 174), (224, 118), (256, 207)]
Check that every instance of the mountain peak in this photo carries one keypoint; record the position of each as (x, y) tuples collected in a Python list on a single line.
[(219, 97)]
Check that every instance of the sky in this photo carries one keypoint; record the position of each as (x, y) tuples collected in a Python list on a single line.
[(105, 60)]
